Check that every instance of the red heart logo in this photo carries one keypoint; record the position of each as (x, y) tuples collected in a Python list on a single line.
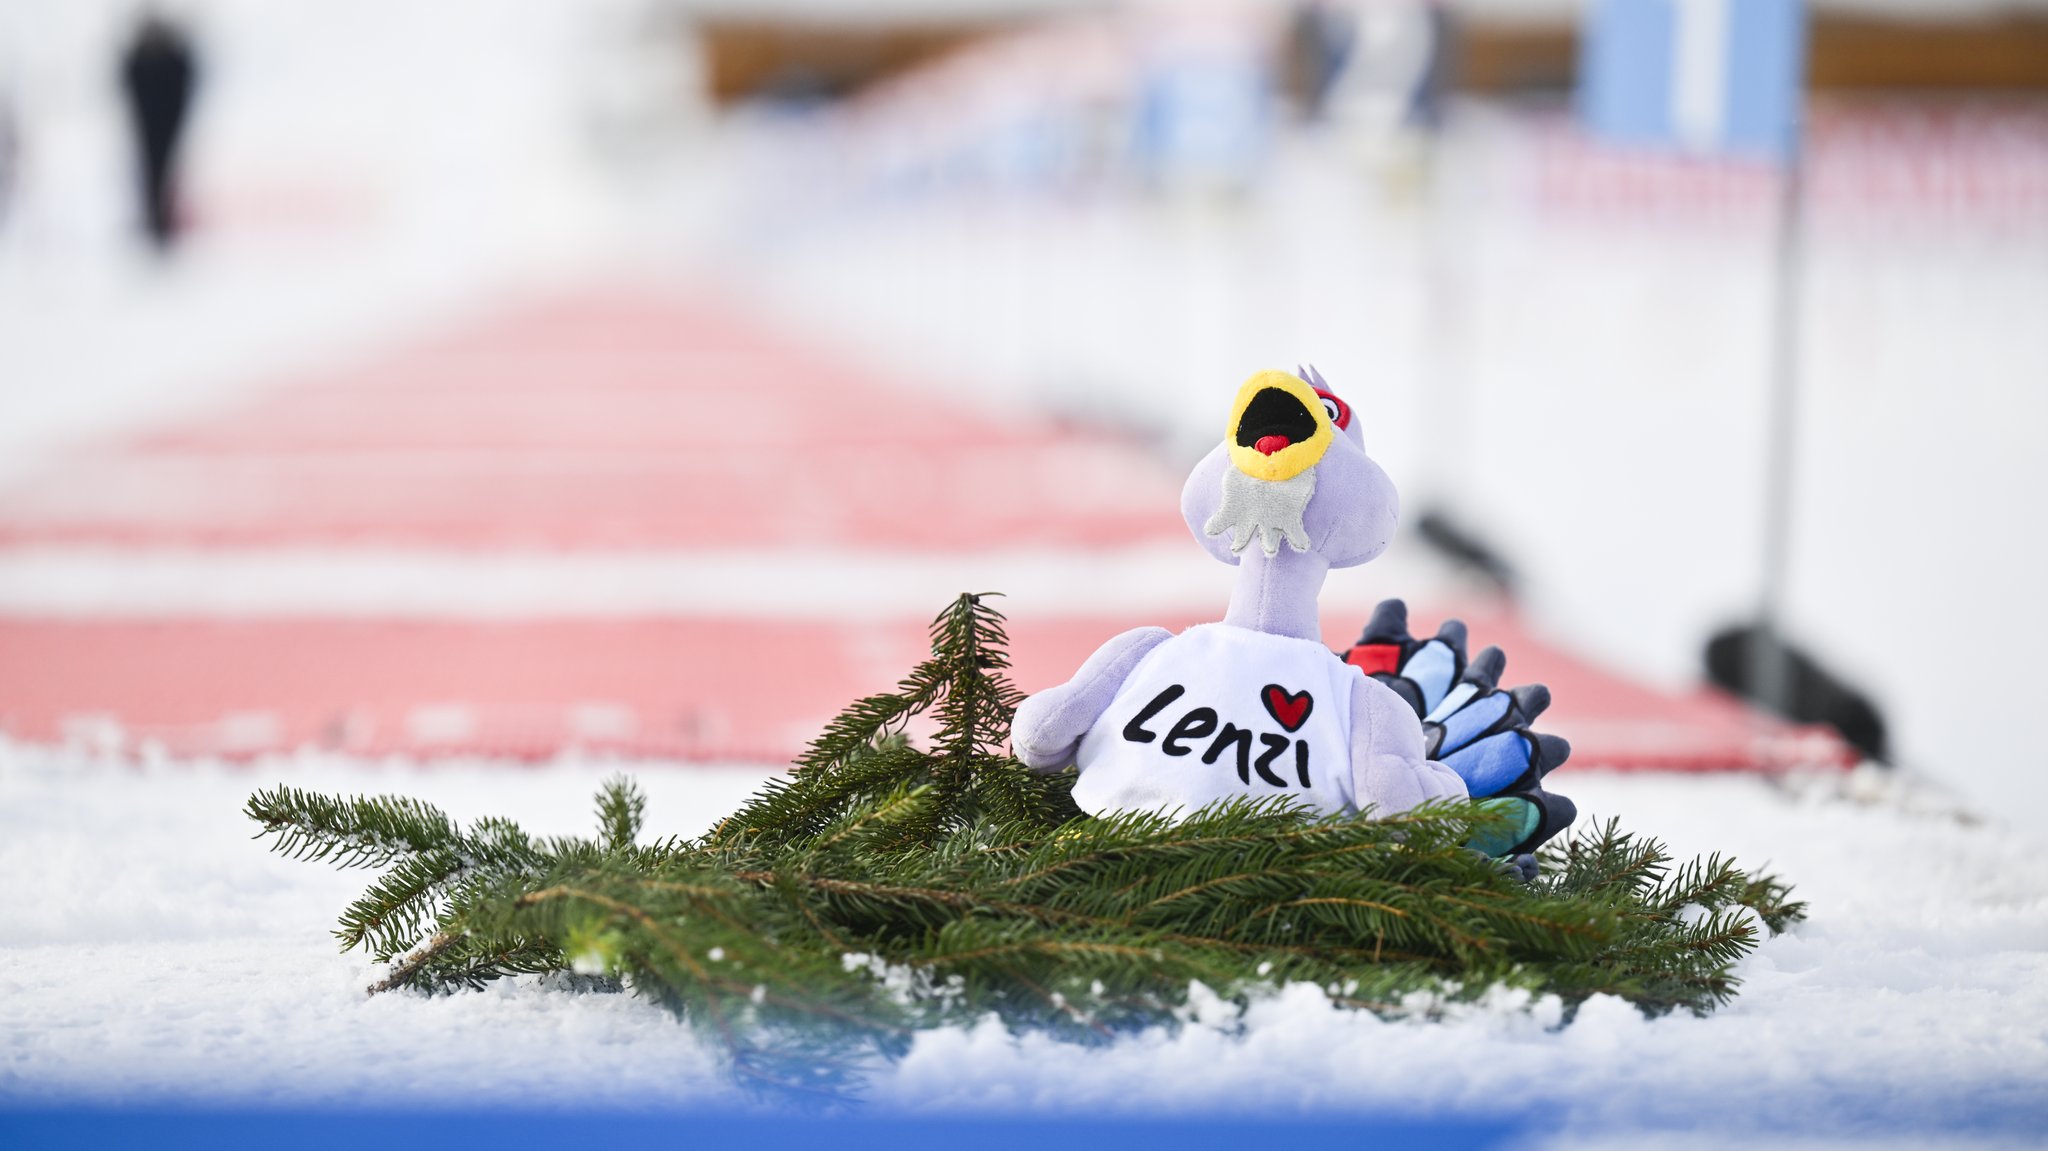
[(1290, 708)]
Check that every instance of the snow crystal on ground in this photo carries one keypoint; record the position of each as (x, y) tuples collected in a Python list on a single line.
[(149, 950)]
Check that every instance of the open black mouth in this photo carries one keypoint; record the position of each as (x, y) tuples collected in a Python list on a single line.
[(1275, 419)]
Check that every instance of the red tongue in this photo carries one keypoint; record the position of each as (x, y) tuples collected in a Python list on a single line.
[(1267, 445)]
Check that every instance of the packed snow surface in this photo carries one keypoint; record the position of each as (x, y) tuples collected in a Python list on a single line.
[(151, 951)]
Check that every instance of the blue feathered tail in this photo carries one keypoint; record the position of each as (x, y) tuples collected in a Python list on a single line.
[(1473, 726)]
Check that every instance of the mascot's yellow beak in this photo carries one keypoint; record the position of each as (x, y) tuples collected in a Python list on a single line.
[(1278, 427)]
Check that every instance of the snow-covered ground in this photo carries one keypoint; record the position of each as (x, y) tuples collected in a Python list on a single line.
[(151, 951)]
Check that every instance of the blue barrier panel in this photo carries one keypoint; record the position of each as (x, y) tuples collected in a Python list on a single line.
[(176, 1130)]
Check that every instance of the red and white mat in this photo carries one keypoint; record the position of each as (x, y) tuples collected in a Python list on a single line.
[(626, 520)]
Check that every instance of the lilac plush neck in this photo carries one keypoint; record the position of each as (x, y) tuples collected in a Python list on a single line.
[(1277, 595)]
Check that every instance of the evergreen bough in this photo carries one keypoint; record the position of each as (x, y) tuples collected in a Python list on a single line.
[(891, 883)]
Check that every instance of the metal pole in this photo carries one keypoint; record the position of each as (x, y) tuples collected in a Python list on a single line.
[(1769, 669)]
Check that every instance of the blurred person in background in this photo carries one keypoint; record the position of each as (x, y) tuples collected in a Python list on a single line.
[(158, 77), (1319, 40), (1386, 90), (1432, 81)]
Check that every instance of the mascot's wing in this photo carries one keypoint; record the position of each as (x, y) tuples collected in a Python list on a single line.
[(1047, 729), (1471, 724)]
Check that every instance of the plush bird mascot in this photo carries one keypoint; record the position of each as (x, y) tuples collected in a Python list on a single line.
[(1255, 706)]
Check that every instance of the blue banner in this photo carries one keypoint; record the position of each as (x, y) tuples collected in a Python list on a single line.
[(1708, 76)]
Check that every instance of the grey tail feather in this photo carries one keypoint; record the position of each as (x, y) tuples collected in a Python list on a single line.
[(1389, 623)]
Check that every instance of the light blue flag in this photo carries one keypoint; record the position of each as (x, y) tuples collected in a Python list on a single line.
[(1701, 75)]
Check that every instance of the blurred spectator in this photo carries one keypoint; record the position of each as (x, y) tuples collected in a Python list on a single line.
[(1319, 40), (1426, 98), (158, 75)]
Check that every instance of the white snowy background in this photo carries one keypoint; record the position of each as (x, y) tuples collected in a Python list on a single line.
[(364, 170)]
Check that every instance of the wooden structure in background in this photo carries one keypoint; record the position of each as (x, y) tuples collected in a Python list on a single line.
[(1491, 56), (1865, 53), (817, 57), (1849, 52), (807, 57)]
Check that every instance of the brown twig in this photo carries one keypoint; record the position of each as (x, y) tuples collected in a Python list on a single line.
[(402, 971)]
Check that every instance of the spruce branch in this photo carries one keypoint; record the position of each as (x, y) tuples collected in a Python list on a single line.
[(362, 832), (404, 970), (620, 807), (389, 915), (883, 886)]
